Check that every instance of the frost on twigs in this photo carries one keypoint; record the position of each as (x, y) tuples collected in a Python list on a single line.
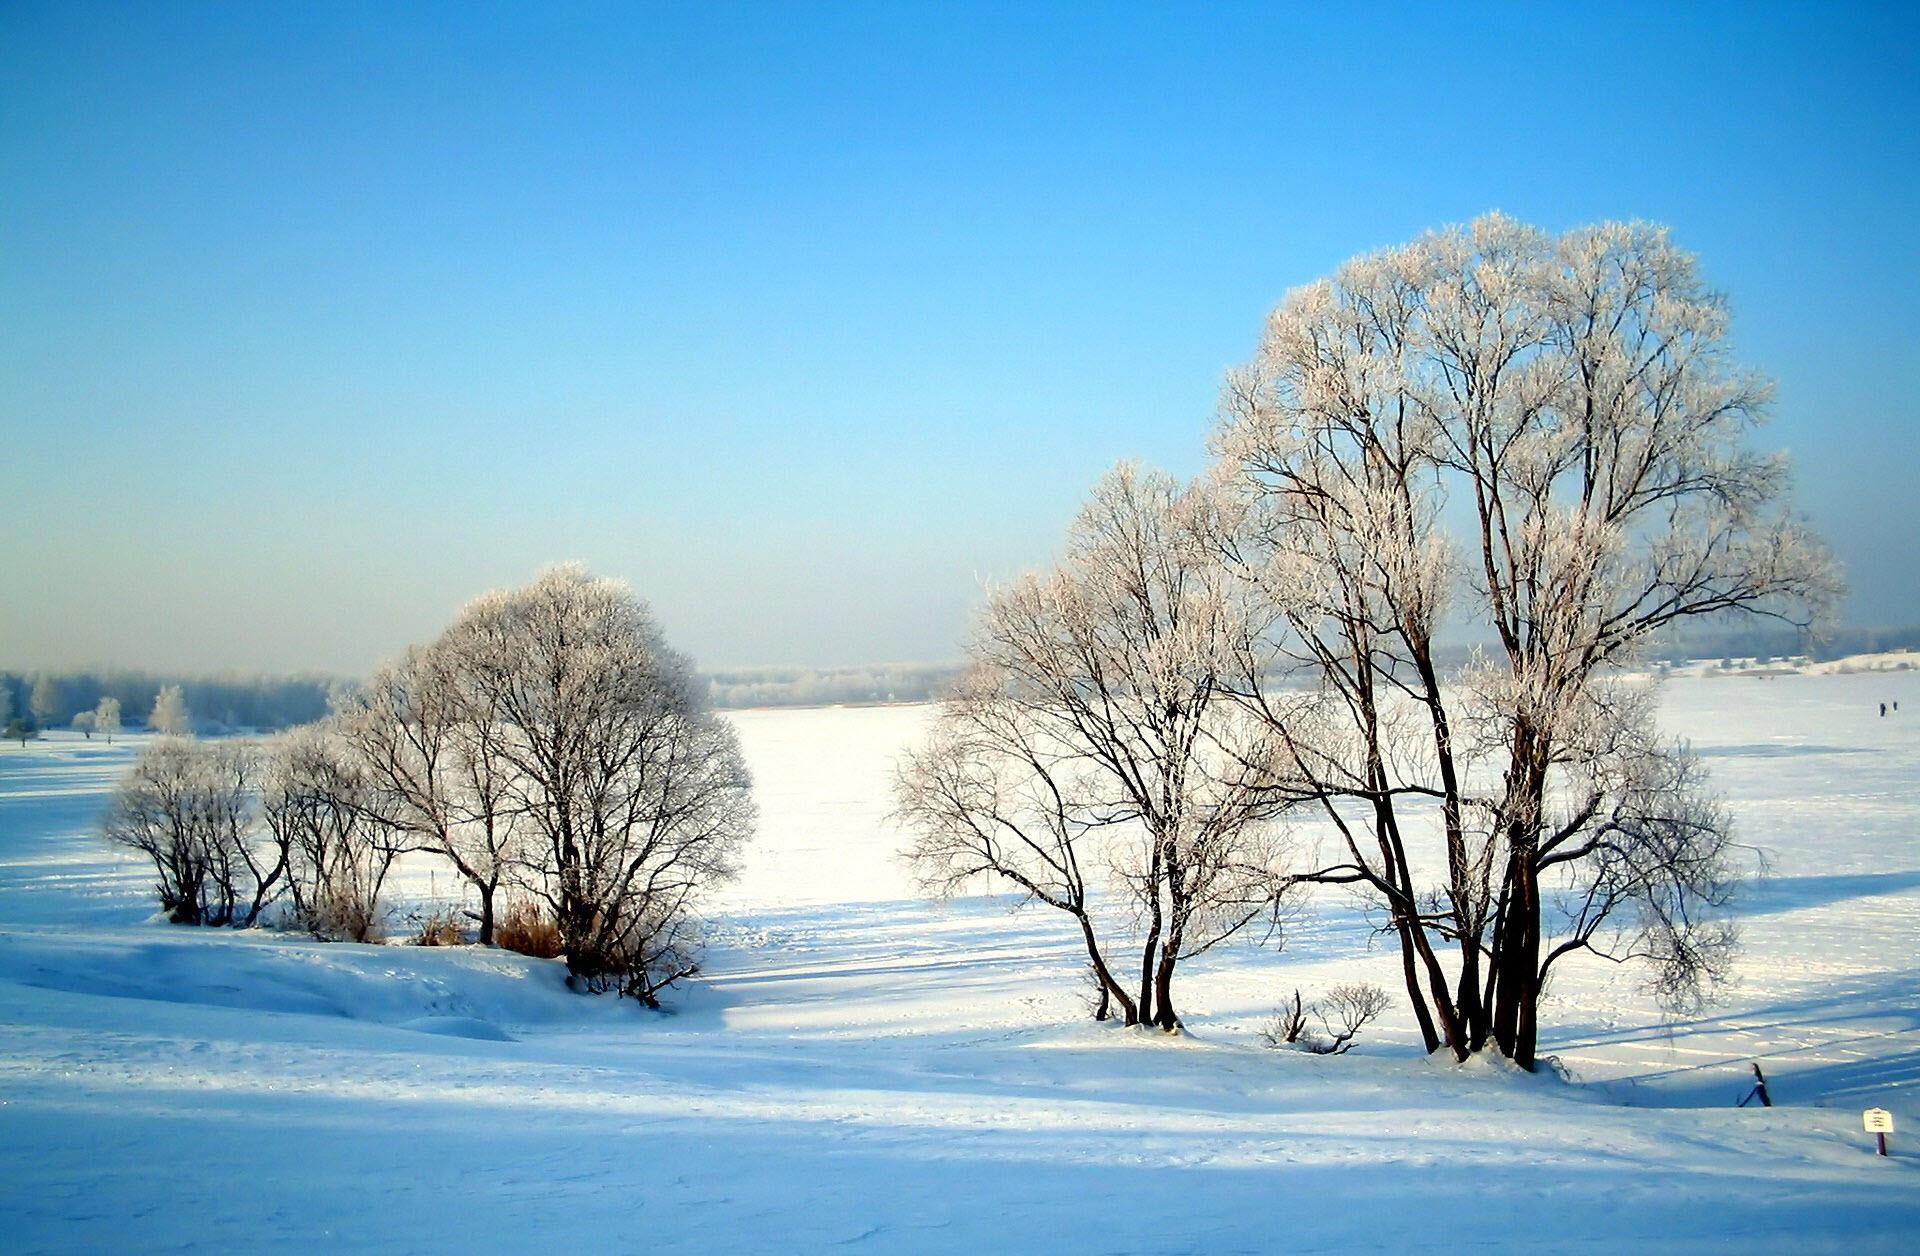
[(549, 746), (627, 798), (1341, 1013), (192, 810), (1571, 401), (1086, 759)]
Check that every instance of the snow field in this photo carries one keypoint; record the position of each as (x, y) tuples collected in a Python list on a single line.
[(859, 1067)]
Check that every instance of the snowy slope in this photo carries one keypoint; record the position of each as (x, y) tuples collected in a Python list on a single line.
[(860, 1068)]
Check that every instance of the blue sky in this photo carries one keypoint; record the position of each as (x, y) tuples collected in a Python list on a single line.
[(315, 322)]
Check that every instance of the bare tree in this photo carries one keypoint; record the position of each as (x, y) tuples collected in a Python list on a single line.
[(1086, 748), (1575, 396), (433, 749), (633, 794), (169, 715), (191, 809), (106, 718), (44, 702), (340, 847)]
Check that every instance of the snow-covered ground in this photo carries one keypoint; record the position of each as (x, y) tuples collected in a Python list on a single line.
[(860, 1068)]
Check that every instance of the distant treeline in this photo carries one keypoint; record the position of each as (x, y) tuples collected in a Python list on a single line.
[(1767, 641), (264, 703), (220, 703), (215, 703), (795, 686)]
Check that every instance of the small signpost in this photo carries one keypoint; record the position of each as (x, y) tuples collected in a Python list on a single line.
[(1879, 1123)]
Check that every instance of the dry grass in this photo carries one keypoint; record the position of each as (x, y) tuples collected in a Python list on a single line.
[(526, 927), (440, 927)]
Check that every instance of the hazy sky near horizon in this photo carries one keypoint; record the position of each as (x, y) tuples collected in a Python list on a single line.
[(316, 321)]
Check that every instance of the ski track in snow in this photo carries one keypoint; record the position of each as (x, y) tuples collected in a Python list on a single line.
[(861, 1069)]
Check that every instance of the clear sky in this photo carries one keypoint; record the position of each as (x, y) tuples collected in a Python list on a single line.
[(315, 322)]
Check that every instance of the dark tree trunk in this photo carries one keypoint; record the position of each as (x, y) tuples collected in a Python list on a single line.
[(1469, 1003), (486, 914), (1516, 1008), (1416, 997), (1110, 990), (1150, 951), (1148, 958), (1163, 1014)]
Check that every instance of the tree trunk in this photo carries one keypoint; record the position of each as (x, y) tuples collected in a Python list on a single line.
[(1517, 1006), (486, 914), (1149, 955), (1150, 952), (1415, 995), (1110, 990), (1469, 1003), (1163, 1014)]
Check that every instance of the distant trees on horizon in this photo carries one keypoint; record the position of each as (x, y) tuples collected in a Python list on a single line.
[(211, 704), (263, 704), (270, 703)]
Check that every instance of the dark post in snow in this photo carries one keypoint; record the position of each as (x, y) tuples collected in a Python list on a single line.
[(1759, 1090)]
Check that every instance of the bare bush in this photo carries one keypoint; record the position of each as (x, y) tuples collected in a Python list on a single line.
[(191, 809), (1343, 1012), (1287, 1026), (439, 927), (320, 808)]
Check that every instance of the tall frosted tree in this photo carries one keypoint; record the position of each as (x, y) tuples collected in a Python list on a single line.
[(439, 762), (45, 701), (106, 718), (631, 795), (1086, 759), (169, 715), (1571, 403)]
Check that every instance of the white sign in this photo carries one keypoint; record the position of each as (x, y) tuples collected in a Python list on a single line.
[(1877, 1121)]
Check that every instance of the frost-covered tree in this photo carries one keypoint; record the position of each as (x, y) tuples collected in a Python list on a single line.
[(192, 810), (323, 812), (83, 722), (434, 749), (6, 707), (1571, 400), (633, 795), (1086, 749), (169, 715), (44, 702), (106, 718)]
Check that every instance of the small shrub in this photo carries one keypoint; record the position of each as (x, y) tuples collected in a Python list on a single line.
[(340, 916), (527, 928), (1345, 1011), (440, 927), (1342, 1013), (1285, 1029)]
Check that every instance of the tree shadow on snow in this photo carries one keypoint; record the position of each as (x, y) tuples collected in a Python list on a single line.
[(1768, 895)]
